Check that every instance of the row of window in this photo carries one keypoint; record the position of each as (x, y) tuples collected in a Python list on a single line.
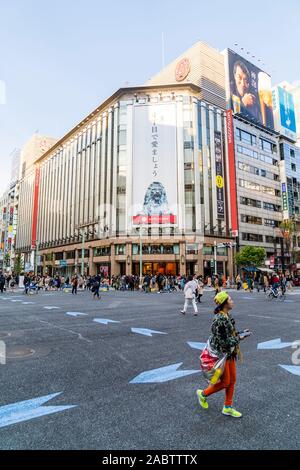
[(258, 156), (251, 219), (156, 249), (246, 201), (258, 171), (251, 139), (106, 250), (251, 185), (255, 237)]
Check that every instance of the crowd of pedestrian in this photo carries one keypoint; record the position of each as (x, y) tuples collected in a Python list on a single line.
[(158, 282), (8, 282)]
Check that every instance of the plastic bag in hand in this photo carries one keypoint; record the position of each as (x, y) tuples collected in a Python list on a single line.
[(212, 364)]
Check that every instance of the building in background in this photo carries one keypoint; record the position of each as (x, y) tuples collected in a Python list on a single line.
[(7, 229), (294, 89), (254, 154), (286, 124), (144, 174), (8, 215), (31, 152), (163, 176), (15, 158)]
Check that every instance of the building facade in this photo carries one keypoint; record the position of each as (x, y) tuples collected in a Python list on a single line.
[(258, 186), (290, 186), (92, 188), (8, 228), (161, 177)]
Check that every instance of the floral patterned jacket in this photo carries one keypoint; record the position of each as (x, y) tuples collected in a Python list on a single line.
[(224, 337)]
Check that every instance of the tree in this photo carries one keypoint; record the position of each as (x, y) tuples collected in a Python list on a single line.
[(250, 256), (19, 264), (7, 260), (287, 228)]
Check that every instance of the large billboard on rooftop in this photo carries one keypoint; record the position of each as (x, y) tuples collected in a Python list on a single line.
[(249, 91)]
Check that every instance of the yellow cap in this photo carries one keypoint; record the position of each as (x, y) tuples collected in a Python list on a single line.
[(221, 297)]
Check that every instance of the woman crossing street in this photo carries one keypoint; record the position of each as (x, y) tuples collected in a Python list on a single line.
[(224, 339)]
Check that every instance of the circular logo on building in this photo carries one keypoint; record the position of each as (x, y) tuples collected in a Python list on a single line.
[(182, 69), (219, 181)]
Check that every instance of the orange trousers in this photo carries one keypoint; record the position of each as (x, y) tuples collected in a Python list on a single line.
[(227, 382)]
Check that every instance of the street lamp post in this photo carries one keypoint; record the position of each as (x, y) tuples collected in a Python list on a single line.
[(215, 257), (82, 252), (141, 256), (35, 258)]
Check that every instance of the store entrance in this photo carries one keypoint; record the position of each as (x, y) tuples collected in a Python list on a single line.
[(167, 269)]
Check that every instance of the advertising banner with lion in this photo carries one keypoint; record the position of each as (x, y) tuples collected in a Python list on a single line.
[(155, 165)]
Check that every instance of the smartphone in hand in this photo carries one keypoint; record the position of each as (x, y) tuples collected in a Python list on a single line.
[(244, 334)]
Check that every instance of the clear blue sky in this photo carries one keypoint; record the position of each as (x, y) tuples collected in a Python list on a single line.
[(61, 58)]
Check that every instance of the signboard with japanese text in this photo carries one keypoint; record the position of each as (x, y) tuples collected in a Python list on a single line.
[(219, 176), (154, 165)]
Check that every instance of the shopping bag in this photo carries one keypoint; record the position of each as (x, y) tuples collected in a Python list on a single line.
[(212, 364)]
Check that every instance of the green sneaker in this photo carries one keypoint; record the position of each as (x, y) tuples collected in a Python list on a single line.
[(231, 412), (202, 400)]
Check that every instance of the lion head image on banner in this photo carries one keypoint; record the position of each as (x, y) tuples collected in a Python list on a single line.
[(155, 201)]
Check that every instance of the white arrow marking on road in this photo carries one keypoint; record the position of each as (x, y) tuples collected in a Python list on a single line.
[(200, 346), (292, 369), (104, 321), (30, 409), (51, 308), (146, 332), (76, 314), (273, 344), (163, 374)]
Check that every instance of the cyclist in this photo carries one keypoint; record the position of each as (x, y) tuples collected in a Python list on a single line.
[(283, 283)]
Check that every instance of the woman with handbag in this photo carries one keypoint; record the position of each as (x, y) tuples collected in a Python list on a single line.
[(225, 340)]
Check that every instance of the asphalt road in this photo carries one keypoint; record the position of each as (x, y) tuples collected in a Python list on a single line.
[(91, 365)]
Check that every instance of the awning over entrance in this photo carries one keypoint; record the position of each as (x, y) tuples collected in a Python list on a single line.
[(251, 269), (266, 270)]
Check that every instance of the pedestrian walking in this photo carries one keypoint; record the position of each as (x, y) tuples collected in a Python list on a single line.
[(190, 295), (2, 282), (74, 285), (224, 339), (238, 282), (95, 289), (266, 283), (200, 289), (217, 285)]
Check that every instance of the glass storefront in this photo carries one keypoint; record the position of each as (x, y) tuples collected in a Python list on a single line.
[(170, 269)]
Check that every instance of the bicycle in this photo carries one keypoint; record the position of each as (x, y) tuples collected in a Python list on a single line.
[(275, 294)]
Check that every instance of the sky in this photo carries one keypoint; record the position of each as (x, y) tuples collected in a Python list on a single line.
[(60, 59)]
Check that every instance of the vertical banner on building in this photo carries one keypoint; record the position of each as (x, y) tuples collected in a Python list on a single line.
[(284, 113), (155, 165), (219, 175), (232, 173), (35, 206), (284, 190)]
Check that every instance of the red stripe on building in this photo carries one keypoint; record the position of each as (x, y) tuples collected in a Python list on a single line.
[(232, 173), (35, 207)]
